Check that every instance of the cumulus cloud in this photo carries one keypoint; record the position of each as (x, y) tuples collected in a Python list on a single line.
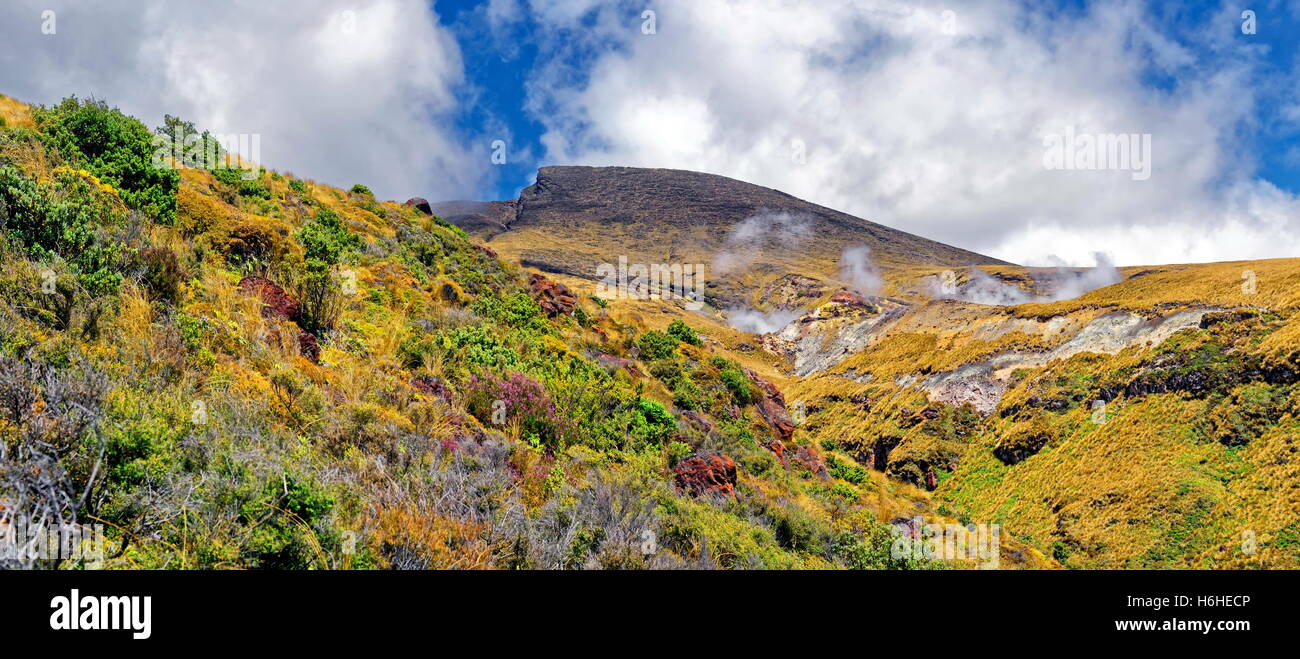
[(342, 91), (932, 123)]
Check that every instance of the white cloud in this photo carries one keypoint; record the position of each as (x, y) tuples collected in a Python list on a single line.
[(939, 134), (359, 98)]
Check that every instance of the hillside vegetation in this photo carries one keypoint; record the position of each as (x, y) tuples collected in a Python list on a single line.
[(262, 371)]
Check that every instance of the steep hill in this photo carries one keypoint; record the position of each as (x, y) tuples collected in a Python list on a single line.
[(574, 218)]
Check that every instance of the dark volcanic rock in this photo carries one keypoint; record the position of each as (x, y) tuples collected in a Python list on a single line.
[(309, 347), (420, 204)]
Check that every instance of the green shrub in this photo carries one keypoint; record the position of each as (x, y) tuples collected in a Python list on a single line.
[(729, 372), (117, 149), (849, 472), (299, 187), (325, 240), (655, 345), (684, 333), (362, 190), (64, 221)]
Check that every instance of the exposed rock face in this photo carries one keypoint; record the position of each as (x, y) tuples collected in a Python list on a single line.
[(432, 386), (614, 363), (1013, 450), (420, 204), (984, 383), (793, 291), (554, 297), (698, 420), (275, 302), (772, 407), (846, 324), (706, 473), (811, 460)]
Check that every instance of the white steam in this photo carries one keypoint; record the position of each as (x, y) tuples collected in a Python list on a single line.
[(760, 231), (754, 321), (1062, 284), (859, 271)]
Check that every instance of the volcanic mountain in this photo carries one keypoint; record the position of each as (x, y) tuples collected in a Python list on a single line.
[(748, 236)]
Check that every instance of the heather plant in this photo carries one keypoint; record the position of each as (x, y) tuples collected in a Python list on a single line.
[(516, 400)]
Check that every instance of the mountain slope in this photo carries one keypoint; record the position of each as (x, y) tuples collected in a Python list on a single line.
[(574, 218), (1148, 423)]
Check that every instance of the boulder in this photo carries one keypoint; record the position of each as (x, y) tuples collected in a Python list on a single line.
[(706, 473), (276, 304), (772, 407), (420, 204), (555, 298), (309, 347)]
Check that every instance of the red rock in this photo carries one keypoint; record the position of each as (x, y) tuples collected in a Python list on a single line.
[(777, 447), (614, 363), (432, 386), (772, 407), (931, 481), (487, 250), (275, 302), (776, 416), (849, 298), (308, 347), (706, 472), (810, 460), (554, 297)]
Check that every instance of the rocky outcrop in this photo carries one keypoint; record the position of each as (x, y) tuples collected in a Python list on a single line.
[(706, 473), (771, 406), (279, 307), (276, 304), (554, 297), (846, 324), (420, 204)]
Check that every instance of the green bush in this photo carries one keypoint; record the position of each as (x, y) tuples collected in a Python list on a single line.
[(117, 149), (325, 240), (64, 221), (655, 345), (849, 472), (684, 333), (362, 190), (742, 390)]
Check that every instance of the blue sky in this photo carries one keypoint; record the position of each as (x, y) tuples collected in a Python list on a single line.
[(499, 75)]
